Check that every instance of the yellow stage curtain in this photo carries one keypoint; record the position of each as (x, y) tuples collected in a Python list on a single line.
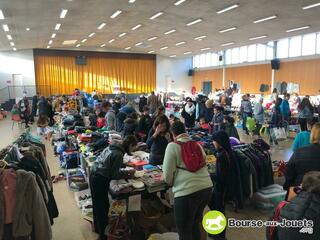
[(61, 75)]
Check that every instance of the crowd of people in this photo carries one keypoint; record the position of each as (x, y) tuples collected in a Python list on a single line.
[(166, 138)]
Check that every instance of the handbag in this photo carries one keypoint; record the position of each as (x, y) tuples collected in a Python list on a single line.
[(279, 133)]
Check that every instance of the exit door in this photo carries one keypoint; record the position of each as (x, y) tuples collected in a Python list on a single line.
[(207, 87)]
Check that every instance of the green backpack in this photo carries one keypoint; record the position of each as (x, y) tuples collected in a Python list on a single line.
[(251, 124)]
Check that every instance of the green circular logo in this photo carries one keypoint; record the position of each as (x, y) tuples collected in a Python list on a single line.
[(214, 222)]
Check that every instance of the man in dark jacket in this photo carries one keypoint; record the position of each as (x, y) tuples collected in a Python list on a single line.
[(145, 124), (143, 101), (304, 207), (107, 167)]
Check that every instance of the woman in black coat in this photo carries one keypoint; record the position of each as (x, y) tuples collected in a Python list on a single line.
[(303, 160)]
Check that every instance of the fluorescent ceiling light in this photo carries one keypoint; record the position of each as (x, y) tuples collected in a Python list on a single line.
[(78, 45), (103, 45), (173, 56), (50, 42), (265, 19), (53, 35), (194, 22), (151, 51), (48, 46), (127, 48), (12, 44), (1, 14), (136, 27), (111, 41), (102, 25), (311, 6), (163, 48), (297, 29), (200, 37), (5, 27), (9, 37), (139, 43), (227, 30), (228, 8), (258, 37), (116, 14), (57, 27), (132, 1), (156, 15), (91, 34), (187, 53), (69, 42), (205, 49), (122, 34), (27, 29), (180, 43), (14, 49), (227, 44), (84, 40), (179, 2), (170, 31), (63, 13), (152, 38)]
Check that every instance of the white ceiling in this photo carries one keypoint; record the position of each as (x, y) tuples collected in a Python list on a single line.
[(84, 16)]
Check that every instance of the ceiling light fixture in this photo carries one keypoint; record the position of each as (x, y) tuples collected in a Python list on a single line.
[(173, 56), (187, 53), (163, 48), (122, 34), (132, 1), (50, 42), (102, 25), (53, 35), (200, 37), (57, 27), (69, 42), (78, 45), (5, 27), (136, 27), (265, 19), (151, 51), (9, 37), (112, 40), (103, 45), (91, 34), (27, 29), (205, 49), (116, 14), (227, 29), (258, 37), (48, 46), (127, 48), (139, 43), (311, 6), (298, 29), (63, 13), (180, 43), (227, 44), (152, 38), (84, 40), (14, 49), (156, 15), (170, 31), (1, 15), (228, 8), (194, 22), (179, 2), (12, 44)]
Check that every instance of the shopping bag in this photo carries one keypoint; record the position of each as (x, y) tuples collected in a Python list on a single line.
[(263, 130), (251, 124), (278, 134)]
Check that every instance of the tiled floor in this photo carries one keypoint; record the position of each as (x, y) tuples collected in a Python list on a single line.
[(70, 225)]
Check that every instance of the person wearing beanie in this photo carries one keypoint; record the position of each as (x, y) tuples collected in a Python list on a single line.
[(226, 177)]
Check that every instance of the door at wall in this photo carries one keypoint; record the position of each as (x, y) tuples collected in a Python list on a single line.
[(207, 87)]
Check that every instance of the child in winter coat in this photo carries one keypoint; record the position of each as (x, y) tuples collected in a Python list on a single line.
[(217, 120)]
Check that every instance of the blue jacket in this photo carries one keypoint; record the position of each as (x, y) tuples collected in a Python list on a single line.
[(285, 108), (302, 140)]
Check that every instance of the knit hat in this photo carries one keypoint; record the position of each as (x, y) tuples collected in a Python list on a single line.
[(222, 138)]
